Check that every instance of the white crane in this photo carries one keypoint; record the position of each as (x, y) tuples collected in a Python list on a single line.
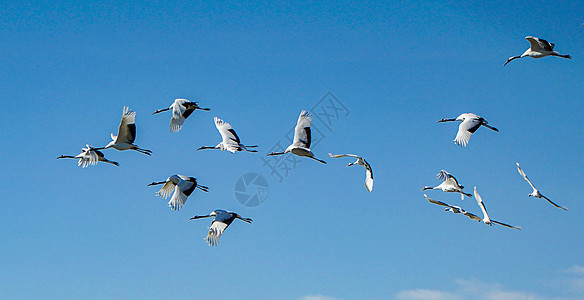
[(126, 134), (301, 144), (459, 210), (538, 48), (362, 162), (89, 156), (222, 220), (536, 192), (181, 110), (182, 186), (230, 141), (449, 184), (469, 124)]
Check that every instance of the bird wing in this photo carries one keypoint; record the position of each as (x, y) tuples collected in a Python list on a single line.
[(447, 177), (343, 155), (524, 176), (368, 178), (178, 118), (472, 216), (506, 225), (534, 43), (486, 218), (166, 190), (465, 130), (230, 138), (545, 45), (215, 232), (437, 202), (552, 203), (127, 129), (179, 198), (89, 156), (302, 134)]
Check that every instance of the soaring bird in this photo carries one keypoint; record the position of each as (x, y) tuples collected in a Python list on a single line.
[(458, 210), (230, 140), (301, 144), (183, 187), (536, 192), (470, 124), (538, 48), (222, 220), (126, 134), (449, 184), (89, 156), (362, 162), (181, 110)]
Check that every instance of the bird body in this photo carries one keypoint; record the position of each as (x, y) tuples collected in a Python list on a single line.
[(538, 48), (362, 162), (222, 220), (535, 193), (182, 186), (89, 156), (302, 138), (469, 124), (126, 134), (449, 184), (230, 140), (181, 110)]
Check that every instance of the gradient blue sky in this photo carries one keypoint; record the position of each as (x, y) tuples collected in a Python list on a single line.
[(68, 68)]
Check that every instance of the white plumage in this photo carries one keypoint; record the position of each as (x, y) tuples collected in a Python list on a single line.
[(230, 140), (449, 184), (222, 220), (89, 156), (538, 48), (458, 210), (126, 134), (302, 137), (535, 193), (469, 124), (362, 162), (182, 186), (181, 110)]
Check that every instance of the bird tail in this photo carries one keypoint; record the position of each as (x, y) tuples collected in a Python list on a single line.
[(203, 188)]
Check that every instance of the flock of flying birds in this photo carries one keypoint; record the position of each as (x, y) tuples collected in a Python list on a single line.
[(179, 187)]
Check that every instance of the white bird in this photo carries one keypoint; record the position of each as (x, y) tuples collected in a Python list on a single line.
[(459, 210), (182, 186), (301, 144), (222, 220), (449, 184), (230, 140), (126, 134), (470, 124), (538, 48), (89, 156), (362, 162), (536, 192), (181, 110)]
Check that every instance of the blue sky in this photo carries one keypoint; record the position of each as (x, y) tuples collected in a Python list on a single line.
[(69, 68)]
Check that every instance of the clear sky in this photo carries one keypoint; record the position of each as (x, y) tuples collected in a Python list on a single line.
[(69, 68)]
